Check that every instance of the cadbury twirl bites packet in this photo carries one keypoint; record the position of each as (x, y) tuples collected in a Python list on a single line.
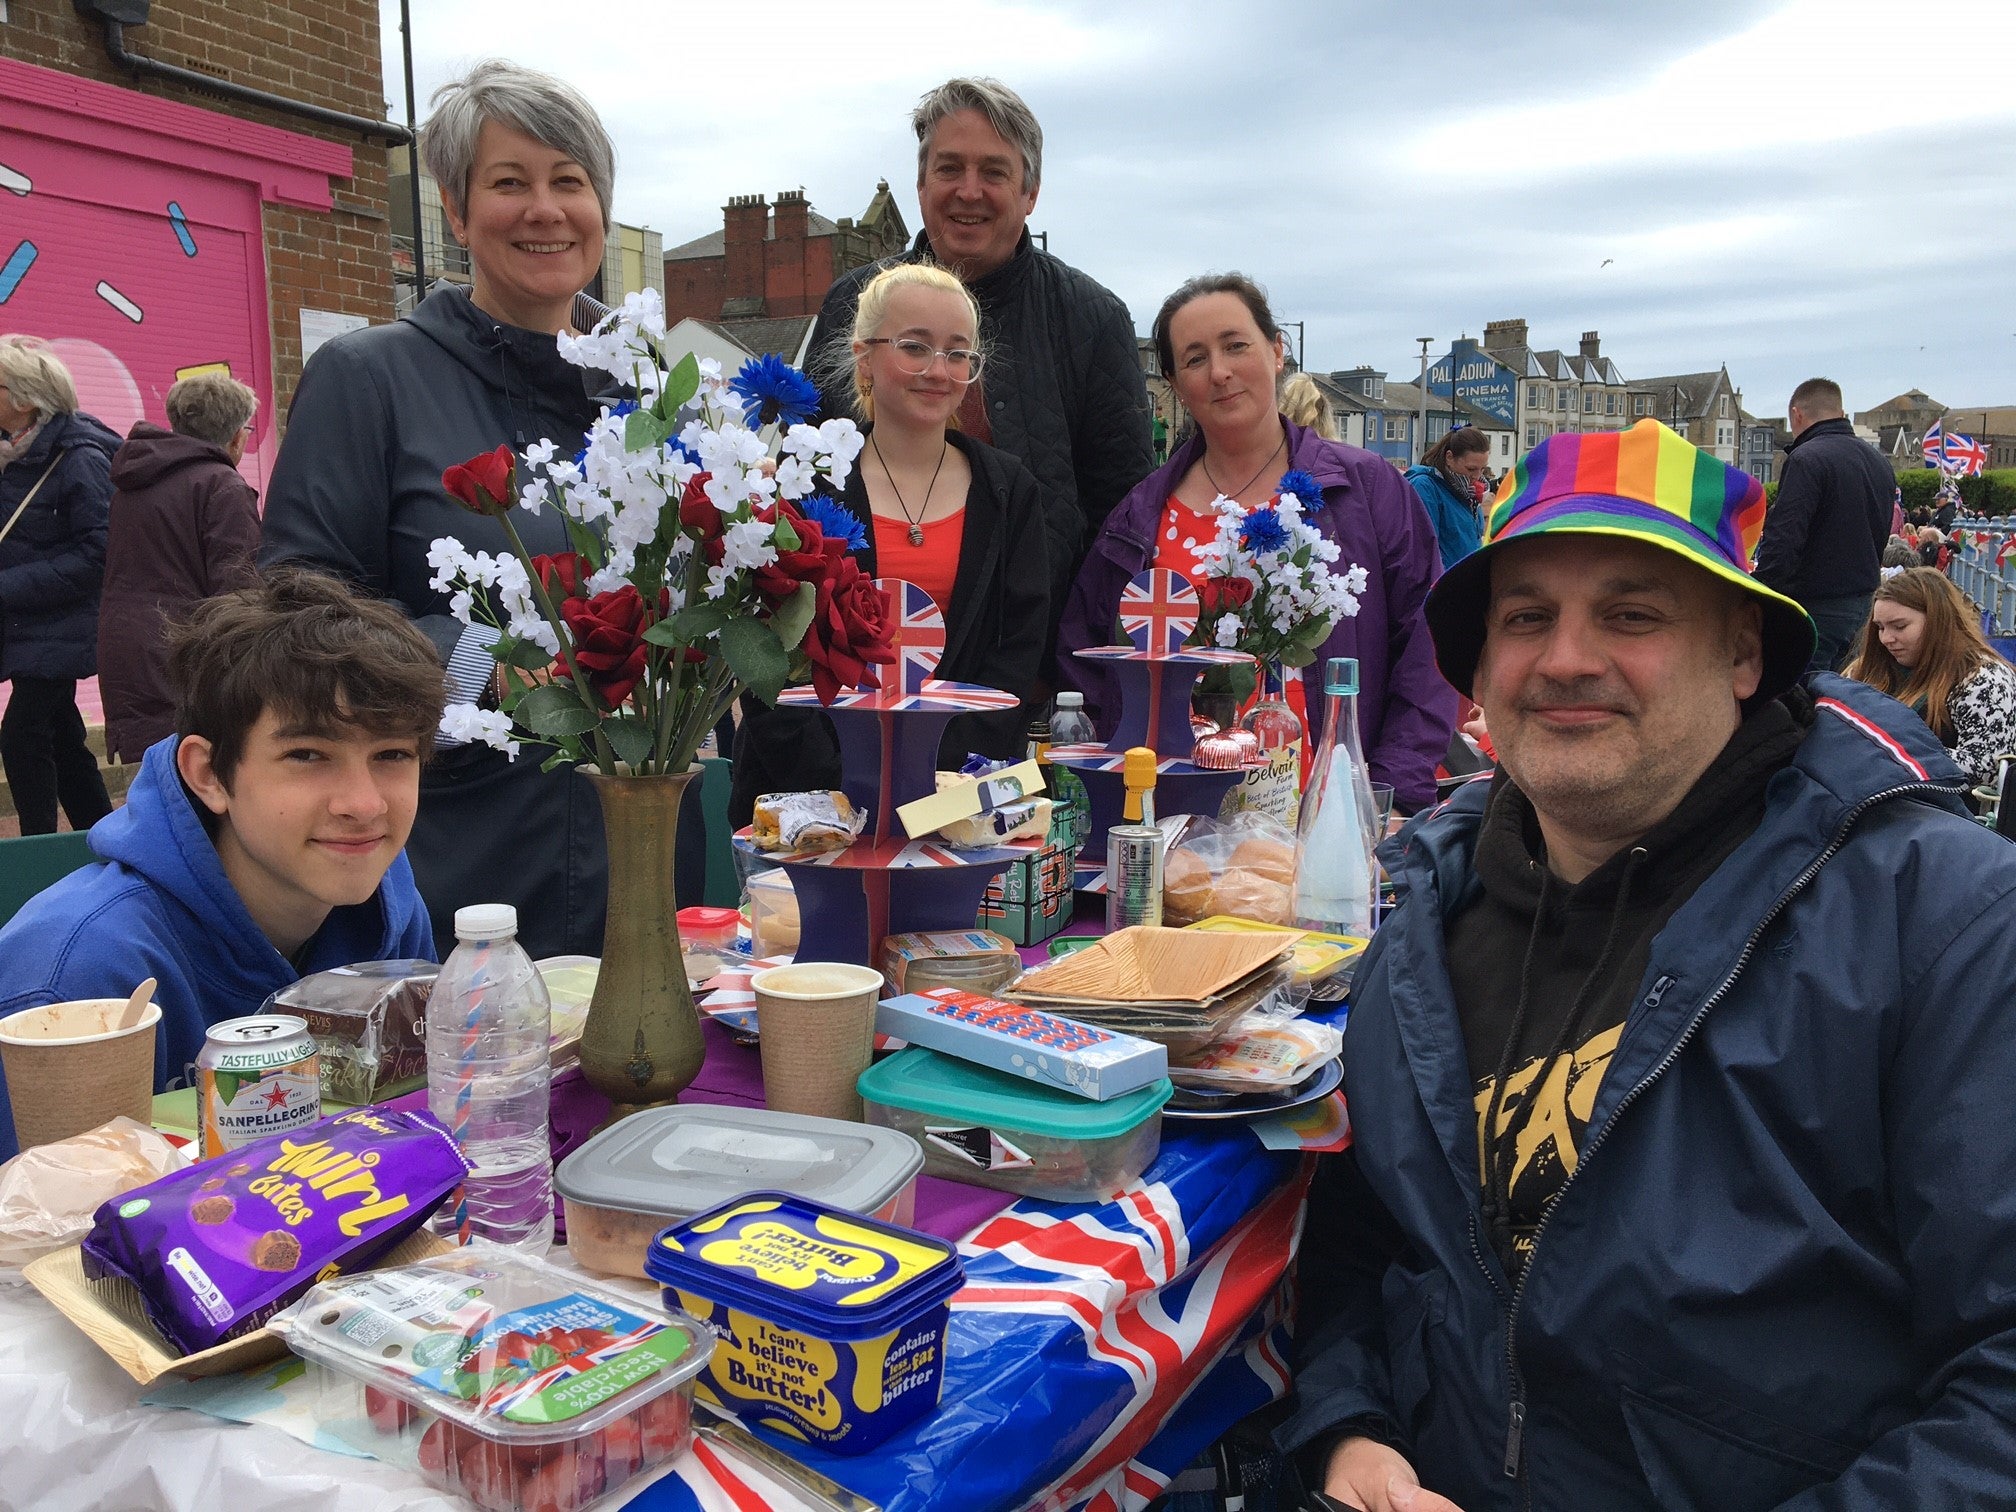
[(216, 1250)]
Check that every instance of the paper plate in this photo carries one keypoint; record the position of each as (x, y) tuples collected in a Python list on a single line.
[(1320, 1083)]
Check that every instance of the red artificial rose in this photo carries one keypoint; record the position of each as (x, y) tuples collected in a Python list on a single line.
[(850, 629), (1216, 595), (562, 573), (608, 632), (697, 512), (483, 483), (811, 561)]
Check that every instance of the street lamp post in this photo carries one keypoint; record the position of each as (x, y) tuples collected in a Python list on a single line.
[(413, 156), (1301, 343), (1421, 435)]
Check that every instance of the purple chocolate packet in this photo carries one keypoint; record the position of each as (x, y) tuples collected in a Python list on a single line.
[(216, 1250)]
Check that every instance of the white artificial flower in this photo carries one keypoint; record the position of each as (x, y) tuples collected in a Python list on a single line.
[(710, 370), (450, 560), (747, 544), (467, 723), (460, 603), (1229, 631), (609, 578), (795, 477)]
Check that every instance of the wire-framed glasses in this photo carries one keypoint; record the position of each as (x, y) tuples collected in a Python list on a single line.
[(914, 357)]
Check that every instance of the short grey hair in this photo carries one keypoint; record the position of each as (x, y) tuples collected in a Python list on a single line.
[(36, 377), (1004, 109), (212, 407), (546, 109)]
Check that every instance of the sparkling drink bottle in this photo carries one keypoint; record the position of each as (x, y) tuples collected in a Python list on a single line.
[(489, 1073), (1334, 884)]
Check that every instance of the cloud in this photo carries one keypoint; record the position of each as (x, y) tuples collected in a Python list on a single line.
[(1816, 185)]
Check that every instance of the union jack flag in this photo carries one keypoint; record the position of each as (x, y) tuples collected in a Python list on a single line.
[(1965, 456), (1200, 655), (1158, 610), (1934, 445), (919, 638)]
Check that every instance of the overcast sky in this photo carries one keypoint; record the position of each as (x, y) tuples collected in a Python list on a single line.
[(1787, 186)]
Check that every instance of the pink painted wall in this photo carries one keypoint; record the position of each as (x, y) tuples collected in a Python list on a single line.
[(138, 272)]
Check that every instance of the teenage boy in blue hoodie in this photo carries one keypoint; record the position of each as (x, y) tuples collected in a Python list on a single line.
[(262, 842)]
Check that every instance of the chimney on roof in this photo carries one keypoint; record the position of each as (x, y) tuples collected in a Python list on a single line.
[(1591, 346), (793, 222), (745, 222), (1502, 334)]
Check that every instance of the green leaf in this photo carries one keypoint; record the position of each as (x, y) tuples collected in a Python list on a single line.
[(1311, 632), (693, 623), (681, 384), (756, 657), (644, 431), (527, 655), (629, 738), (792, 618), (784, 537), (555, 709), (1296, 656)]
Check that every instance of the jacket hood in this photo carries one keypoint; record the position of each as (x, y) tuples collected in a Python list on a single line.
[(158, 835), (150, 454), (69, 432)]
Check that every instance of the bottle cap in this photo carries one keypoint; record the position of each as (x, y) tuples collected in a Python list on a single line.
[(1340, 675), (1070, 700), (486, 921)]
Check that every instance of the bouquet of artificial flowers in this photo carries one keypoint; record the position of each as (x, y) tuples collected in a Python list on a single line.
[(703, 563), (1267, 587)]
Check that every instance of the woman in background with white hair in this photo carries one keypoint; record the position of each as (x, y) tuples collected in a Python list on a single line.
[(526, 173), (55, 484)]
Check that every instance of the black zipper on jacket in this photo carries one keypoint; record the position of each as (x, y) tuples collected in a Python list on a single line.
[(1515, 1421)]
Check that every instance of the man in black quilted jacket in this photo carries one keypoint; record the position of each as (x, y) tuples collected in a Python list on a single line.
[(1062, 389), (1824, 534)]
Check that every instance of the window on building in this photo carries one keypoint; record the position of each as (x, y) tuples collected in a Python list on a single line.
[(1532, 437), (1504, 443), (1392, 429), (1722, 408), (1588, 404), (1567, 399), (1638, 405), (1609, 404), (1533, 398)]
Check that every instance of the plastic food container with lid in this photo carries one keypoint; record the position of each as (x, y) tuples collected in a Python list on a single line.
[(831, 1326), (501, 1378), (663, 1164), (991, 1129)]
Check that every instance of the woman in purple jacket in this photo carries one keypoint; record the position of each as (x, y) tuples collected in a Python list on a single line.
[(1223, 352)]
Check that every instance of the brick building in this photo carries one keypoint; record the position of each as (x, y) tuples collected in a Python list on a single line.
[(153, 227), (774, 262)]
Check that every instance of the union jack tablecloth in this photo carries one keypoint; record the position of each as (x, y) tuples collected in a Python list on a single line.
[(1095, 1351)]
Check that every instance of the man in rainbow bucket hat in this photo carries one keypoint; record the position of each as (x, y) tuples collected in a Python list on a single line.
[(1684, 1172)]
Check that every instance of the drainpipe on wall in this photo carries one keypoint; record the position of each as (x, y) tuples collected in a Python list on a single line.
[(117, 15)]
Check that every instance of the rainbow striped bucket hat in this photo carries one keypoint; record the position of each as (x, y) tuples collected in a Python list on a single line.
[(1648, 484)]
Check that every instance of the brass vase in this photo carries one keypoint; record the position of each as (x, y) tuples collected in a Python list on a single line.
[(641, 1043)]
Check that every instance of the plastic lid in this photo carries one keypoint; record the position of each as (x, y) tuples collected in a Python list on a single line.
[(676, 1161), (700, 917), (940, 1085), (808, 1266), (1340, 675), (486, 921), (1070, 700)]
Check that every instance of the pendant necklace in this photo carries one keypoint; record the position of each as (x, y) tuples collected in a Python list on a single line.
[(917, 525), (1205, 461)]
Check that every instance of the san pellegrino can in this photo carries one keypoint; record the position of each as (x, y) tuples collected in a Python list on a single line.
[(257, 1076)]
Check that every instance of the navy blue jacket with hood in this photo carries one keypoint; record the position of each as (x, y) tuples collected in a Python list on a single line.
[(52, 563), (161, 906), (1783, 1272)]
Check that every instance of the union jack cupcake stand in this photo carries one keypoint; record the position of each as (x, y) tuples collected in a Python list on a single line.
[(885, 882), (1155, 672)]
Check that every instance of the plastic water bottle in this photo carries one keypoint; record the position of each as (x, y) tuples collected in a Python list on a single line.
[(1070, 724), (489, 1069)]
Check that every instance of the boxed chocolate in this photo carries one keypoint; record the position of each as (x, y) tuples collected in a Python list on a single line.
[(1046, 1048)]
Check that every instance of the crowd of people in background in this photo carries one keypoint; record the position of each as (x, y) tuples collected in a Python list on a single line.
[(1651, 649)]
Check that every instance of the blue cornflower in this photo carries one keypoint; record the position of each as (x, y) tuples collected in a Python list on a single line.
[(1263, 531), (835, 521), (1301, 485), (771, 390), (622, 408)]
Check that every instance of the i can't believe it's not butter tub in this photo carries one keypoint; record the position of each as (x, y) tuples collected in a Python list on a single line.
[(830, 1326)]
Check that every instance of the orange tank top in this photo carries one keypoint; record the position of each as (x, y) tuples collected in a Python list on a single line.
[(934, 566)]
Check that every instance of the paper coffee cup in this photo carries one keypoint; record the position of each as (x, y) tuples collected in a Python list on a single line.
[(70, 1069), (816, 1023)]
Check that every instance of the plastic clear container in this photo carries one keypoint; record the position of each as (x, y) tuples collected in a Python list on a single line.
[(489, 1079), (972, 960), (500, 1377), (831, 1326), (657, 1167), (990, 1129)]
